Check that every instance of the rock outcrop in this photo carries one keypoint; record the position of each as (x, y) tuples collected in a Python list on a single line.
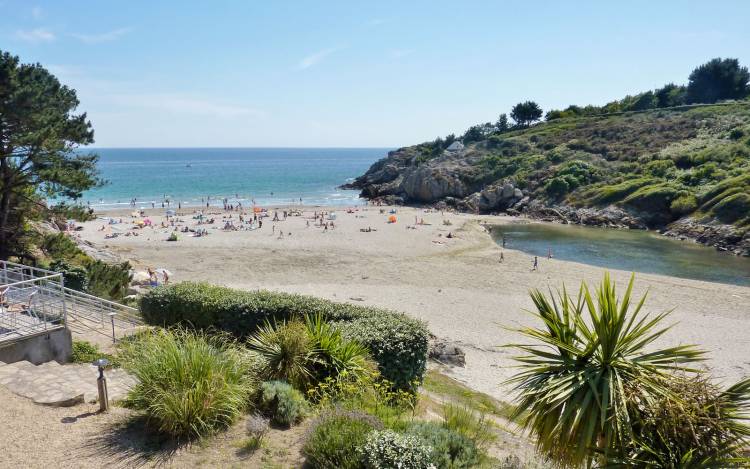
[(459, 181), (712, 233)]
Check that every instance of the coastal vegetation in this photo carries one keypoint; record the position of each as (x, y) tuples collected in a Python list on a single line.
[(683, 156), (190, 385), (81, 272), (40, 132), (593, 388), (397, 343)]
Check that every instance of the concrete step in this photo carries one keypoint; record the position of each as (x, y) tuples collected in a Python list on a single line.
[(62, 385)]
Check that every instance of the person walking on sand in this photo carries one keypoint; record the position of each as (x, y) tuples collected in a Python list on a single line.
[(502, 257), (536, 264)]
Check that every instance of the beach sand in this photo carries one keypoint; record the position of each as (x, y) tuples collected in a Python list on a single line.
[(458, 286)]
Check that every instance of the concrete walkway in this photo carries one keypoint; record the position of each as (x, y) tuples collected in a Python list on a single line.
[(62, 385)]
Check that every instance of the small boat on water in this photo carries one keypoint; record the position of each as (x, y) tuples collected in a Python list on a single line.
[(188, 165)]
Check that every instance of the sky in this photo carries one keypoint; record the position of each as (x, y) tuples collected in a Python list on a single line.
[(353, 73)]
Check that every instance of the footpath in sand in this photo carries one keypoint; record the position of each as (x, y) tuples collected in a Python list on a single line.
[(457, 285)]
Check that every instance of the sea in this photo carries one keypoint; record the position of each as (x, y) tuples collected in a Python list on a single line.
[(196, 176)]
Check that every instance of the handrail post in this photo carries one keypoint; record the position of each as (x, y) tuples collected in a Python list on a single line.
[(64, 308)]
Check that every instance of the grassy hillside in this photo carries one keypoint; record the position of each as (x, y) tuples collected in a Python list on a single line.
[(661, 164)]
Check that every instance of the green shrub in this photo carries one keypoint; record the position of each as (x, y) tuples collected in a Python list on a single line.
[(75, 277), (387, 449), (472, 425), (108, 280), (334, 437), (60, 246), (396, 342), (695, 425), (733, 208), (283, 404), (557, 187), (304, 354), (450, 449), (659, 168), (336, 355), (287, 352), (683, 205), (606, 194), (189, 385), (86, 352)]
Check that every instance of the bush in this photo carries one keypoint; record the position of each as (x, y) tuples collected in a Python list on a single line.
[(108, 280), (284, 404), (286, 352), (733, 208), (75, 276), (60, 246), (304, 354), (256, 427), (684, 205), (189, 385), (86, 352), (466, 422), (557, 187), (396, 342), (695, 425), (450, 449), (334, 437), (387, 449)]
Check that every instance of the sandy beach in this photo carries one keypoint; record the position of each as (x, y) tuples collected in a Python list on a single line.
[(457, 285)]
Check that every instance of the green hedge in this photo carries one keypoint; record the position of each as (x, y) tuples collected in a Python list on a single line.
[(396, 342)]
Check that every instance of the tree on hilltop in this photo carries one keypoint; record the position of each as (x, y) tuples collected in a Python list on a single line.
[(502, 124), (718, 79), (39, 135), (526, 113)]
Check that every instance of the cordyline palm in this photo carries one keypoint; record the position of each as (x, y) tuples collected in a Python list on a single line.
[(574, 384)]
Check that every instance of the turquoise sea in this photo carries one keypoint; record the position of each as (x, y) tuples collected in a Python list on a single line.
[(191, 175)]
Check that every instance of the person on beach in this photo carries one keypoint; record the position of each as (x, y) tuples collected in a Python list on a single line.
[(502, 257), (166, 277), (152, 278), (549, 253), (536, 264)]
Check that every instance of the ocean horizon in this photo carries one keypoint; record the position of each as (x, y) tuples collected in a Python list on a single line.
[(193, 177)]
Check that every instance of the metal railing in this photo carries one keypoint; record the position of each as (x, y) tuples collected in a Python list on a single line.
[(99, 315), (33, 301), (10, 272), (36, 300)]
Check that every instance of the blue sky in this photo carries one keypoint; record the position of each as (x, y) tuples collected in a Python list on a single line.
[(276, 73)]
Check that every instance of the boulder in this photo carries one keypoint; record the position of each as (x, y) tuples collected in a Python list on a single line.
[(447, 353), (432, 184), (508, 190)]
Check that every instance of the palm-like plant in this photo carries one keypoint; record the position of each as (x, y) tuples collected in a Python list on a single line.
[(574, 385), (287, 352), (304, 353)]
